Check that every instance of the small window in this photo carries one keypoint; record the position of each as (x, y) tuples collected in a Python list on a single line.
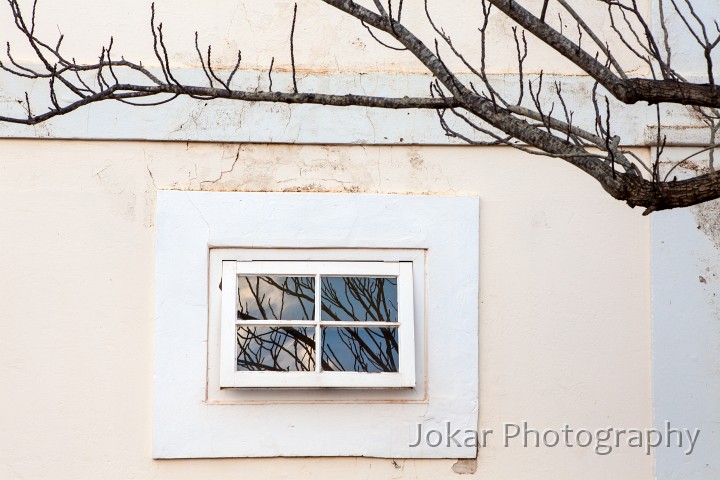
[(427, 244), (317, 324)]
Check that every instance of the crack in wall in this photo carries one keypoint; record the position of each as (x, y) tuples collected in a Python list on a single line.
[(222, 172)]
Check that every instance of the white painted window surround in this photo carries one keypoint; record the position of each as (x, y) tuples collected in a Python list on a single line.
[(195, 418)]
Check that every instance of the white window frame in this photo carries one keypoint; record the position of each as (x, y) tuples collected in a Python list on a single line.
[(231, 378)]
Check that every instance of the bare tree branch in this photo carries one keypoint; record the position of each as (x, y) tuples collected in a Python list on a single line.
[(542, 124), (626, 90)]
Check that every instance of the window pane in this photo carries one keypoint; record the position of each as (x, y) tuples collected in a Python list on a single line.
[(275, 298), (359, 299), (350, 349), (275, 348)]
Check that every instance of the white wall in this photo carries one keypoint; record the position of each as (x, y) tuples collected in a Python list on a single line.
[(341, 59), (686, 334), (564, 317), (566, 277)]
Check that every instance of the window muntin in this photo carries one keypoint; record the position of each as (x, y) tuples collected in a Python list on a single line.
[(275, 314)]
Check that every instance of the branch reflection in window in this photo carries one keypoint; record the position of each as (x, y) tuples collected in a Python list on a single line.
[(285, 346), (358, 299), (276, 298), (275, 349), (351, 349)]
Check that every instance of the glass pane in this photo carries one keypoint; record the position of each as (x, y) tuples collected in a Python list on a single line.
[(350, 349), (275, 349), (359, 299), (275, 298)]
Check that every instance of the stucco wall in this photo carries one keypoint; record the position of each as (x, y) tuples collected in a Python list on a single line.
[(334, 54), (566, 276), (564, 317)]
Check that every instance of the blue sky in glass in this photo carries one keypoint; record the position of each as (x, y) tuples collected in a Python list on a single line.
[(348, 298), (276, 298), (351, 349), (275, 349), (359, 299)]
